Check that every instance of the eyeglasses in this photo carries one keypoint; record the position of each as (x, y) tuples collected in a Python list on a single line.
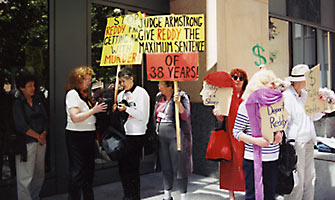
[(161, 85), (241, 78)]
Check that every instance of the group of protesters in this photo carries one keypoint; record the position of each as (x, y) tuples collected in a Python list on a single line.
[(236, 174), (239, 173)]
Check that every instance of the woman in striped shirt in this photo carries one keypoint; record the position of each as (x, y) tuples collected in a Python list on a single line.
[(270, 152)]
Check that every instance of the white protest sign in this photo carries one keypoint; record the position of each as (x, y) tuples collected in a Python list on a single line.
[(313, 103), (218, 97), (274, 118)]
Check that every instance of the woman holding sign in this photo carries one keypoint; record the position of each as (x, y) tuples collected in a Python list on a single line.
[(231, 173), (174, 163), (267, 152), (301, 129)]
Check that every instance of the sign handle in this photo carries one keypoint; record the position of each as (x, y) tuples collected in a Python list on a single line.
[(116, 89), (175, 84)]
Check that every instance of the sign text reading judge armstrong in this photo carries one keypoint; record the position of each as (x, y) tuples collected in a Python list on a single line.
[(172, 33)]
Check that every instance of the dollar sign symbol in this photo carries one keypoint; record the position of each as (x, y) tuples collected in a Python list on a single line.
[(312, 79), (258, 54)]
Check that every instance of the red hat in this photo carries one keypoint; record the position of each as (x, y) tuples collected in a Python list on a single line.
[(220, 79)]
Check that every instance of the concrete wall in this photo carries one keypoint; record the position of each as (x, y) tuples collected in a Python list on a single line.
[(241, 25)]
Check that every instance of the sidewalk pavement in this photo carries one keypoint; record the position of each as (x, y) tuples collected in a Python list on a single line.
[(199, 188)]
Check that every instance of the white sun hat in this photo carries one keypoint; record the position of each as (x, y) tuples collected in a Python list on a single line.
[(298, 73)]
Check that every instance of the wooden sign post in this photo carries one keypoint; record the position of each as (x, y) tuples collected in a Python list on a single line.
[(116, 89), (173, 67), (175, 84)]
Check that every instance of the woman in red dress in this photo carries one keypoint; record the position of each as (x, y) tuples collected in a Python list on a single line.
[(231, 172)]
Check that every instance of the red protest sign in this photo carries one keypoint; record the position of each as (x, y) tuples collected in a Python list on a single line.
[(173, 66)]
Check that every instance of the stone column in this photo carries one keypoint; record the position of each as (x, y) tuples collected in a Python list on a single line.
[(242, 24)]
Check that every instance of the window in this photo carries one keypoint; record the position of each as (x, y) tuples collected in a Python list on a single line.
[(310, 46)]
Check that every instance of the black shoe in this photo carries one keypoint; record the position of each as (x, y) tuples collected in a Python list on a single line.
[(169, 199)]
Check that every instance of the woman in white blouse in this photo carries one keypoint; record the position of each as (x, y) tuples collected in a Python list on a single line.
[(135, 102), (80, 132)]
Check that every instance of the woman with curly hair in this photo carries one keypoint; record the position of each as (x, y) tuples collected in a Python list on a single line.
[(31, 125), (80, 132)]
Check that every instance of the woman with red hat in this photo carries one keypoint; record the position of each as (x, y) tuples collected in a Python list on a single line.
[(231, 172)]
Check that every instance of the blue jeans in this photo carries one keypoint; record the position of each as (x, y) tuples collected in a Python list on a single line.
[(270, 179)]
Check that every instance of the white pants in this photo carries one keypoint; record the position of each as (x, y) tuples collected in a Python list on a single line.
[(304, 177), (30, 174)]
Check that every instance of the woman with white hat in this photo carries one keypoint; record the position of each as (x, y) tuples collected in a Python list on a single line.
[(301, 129)]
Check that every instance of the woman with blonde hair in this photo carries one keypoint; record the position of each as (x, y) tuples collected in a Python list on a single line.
[(244, 130), (80, 132)]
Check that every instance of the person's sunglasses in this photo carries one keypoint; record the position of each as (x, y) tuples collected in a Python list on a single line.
[(238, 78)]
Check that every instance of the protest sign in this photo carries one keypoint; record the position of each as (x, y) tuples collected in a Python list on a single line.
[(218, 97), (313, 103), (172, 33), (274, 118), (173, 66), (120, 45)]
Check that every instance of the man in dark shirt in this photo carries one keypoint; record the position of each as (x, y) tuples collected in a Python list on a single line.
[(30, 120)]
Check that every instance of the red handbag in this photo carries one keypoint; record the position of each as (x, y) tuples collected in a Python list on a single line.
[(219, 146)]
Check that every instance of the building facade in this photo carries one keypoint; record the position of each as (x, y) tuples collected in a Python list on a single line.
[(239, 33)]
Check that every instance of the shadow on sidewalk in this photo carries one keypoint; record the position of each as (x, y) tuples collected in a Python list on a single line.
[(199, 188)]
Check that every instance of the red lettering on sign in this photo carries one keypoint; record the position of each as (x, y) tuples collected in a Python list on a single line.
[(168, 34), (115, 30), (116, 59), (173, 66)]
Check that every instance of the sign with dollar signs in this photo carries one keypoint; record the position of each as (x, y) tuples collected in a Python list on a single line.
[(313, 103), (256, 51)]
